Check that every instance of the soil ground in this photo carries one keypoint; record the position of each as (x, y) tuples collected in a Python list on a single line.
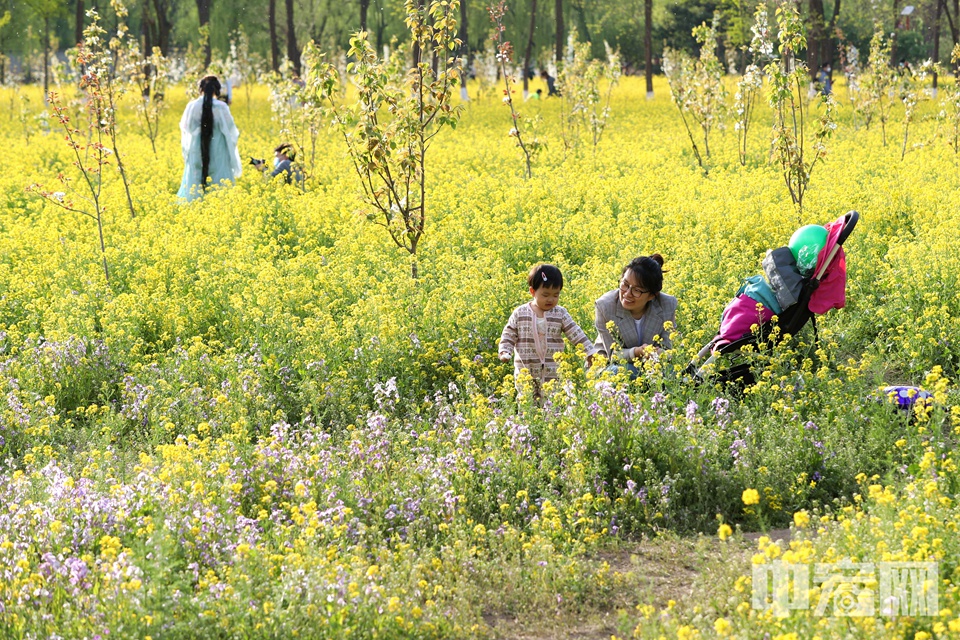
[(661, 569)]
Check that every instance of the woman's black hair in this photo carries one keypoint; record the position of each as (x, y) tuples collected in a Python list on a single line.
[(209, 87), (287, 149), (649, 272), (545, 275)]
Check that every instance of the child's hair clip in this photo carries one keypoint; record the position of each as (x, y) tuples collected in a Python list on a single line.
[(543, 275)]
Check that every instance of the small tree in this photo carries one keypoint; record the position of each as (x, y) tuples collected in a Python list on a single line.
[(584, 100), (697, 86), (877, 82), (398, 113), (150, 77), (950, 106), (850, 65), (195, 62), (529, 147), (749, 85), (912, 92), (298, 106), (26, 118), (486, 65), (247, 66), (90, 165), (787, 79), (99, 83)]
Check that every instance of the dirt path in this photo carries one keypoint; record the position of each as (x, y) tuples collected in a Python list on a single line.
[(683, 569)]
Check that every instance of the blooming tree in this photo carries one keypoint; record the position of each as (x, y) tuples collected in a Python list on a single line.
[(912, 92), (586, 86), (397, 114), (521, 128), (795, 152), (950, 106), (749, 85), (877, 82), (696, 86), (150, 77)]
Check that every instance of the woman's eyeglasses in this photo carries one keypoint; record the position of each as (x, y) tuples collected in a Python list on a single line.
[(635, 291)]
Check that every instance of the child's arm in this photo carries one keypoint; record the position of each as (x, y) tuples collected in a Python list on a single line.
[(509, 338), (576, 335)]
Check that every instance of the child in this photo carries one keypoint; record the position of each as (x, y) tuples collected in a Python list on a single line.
[(533, 333)]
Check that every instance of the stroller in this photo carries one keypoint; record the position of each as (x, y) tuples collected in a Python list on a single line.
[(748, 322)]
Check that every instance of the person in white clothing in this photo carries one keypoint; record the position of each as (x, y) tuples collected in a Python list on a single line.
[(208, 139)]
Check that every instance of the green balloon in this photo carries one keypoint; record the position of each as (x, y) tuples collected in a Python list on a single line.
[(806, 243)]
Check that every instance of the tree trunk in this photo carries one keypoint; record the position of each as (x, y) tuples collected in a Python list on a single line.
[(46, 59), (561, 36), (815, 39), (936, 41), (582, 21), (164, 27), (896, 33), (147, 30), (529, 52), (274, 43), (416, 45), (828, 51), (203, 11), (464, 49), (381, 29), (364, 4), (648, 45), (954, 26), (78, 26), (293, 51)]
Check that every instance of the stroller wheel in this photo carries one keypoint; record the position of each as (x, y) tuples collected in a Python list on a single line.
[(739, 375), (735, 378)]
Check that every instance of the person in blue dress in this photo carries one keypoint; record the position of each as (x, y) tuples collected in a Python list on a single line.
[(208, 138), (826, 82)]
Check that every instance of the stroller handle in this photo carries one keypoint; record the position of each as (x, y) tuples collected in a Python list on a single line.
[(851, 219)]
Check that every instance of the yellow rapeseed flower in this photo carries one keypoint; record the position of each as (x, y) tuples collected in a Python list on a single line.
[(723, 627)]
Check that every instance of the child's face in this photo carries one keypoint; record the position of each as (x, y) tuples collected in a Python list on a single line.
[(546, 298)]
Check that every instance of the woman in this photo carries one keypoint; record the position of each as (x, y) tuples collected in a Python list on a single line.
[(285, 156), (208, 138), (638, 311)]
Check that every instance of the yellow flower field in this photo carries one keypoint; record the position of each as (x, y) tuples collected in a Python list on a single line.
[(262, 426)]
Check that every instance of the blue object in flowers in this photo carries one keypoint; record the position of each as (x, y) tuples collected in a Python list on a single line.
[(905, 396)]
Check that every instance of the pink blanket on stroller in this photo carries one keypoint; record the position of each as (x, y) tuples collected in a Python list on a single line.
[(739, 316), (832, 292)]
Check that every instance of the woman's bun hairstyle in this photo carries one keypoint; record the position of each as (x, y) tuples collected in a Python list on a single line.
[(648, 271)]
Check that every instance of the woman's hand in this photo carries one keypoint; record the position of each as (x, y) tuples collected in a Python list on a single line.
[(644, 351)]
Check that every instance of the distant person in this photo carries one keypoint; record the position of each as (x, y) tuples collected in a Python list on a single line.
[(826, 83), (208, 139), (534, 333), (284, 162), (537, 95), (904, 70), (551, 83)]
